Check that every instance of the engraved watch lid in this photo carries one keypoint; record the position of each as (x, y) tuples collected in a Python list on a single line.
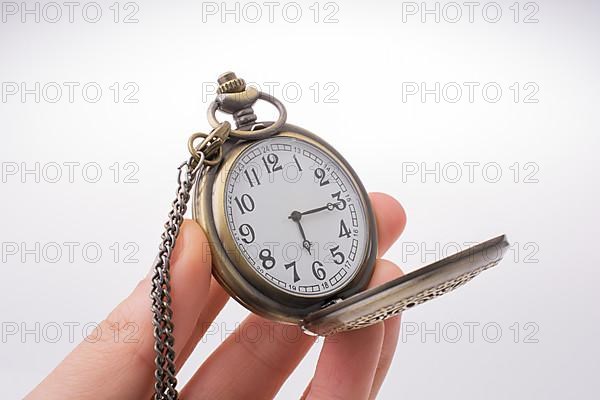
[(391, 298)]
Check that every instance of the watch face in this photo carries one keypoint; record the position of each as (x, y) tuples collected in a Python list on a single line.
[(296, 216)]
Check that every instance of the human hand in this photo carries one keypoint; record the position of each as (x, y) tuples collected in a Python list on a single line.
[(352, 365)]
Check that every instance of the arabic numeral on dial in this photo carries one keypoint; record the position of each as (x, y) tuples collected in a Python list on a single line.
[(272, 163), (320, 175), (341, 203), (338, 256), (293, 266), (252, 178), (247, 232), (245, 203), (268, 261), (344, 231), (318, 270)]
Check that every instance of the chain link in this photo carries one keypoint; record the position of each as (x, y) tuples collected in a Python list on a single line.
[(162, 321)]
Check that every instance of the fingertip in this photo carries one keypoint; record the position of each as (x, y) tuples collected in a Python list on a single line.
[(391, 219), (384, 271), (191, 264), (193, 245), (391, 204)]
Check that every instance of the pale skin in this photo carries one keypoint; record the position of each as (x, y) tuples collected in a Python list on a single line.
[(351, 366)]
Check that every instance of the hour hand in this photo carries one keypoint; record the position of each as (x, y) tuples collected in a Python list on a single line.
[(296, 216)]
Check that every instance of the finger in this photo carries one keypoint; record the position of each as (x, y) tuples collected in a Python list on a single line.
[(346, 366), (257, 358), (386, 270), (121, 367), (391, 220), (217, 298), (348, 362)]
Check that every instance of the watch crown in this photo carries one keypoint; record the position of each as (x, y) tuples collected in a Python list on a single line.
[(230, 83)]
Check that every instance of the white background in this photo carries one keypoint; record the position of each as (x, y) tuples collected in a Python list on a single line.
[(369, 55)]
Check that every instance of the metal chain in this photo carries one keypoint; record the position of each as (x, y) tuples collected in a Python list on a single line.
[(164, 341)]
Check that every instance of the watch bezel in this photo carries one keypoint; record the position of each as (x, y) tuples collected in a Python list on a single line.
[(230, 267)]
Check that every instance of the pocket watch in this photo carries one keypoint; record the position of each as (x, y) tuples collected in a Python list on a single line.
[(291, 230)]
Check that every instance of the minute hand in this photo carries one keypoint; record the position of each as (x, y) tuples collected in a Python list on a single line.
[(314, 210)]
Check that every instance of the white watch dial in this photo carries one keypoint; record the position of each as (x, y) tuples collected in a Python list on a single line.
[(296, 216)]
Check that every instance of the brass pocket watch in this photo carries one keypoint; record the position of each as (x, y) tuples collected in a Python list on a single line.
[(291, 230)]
